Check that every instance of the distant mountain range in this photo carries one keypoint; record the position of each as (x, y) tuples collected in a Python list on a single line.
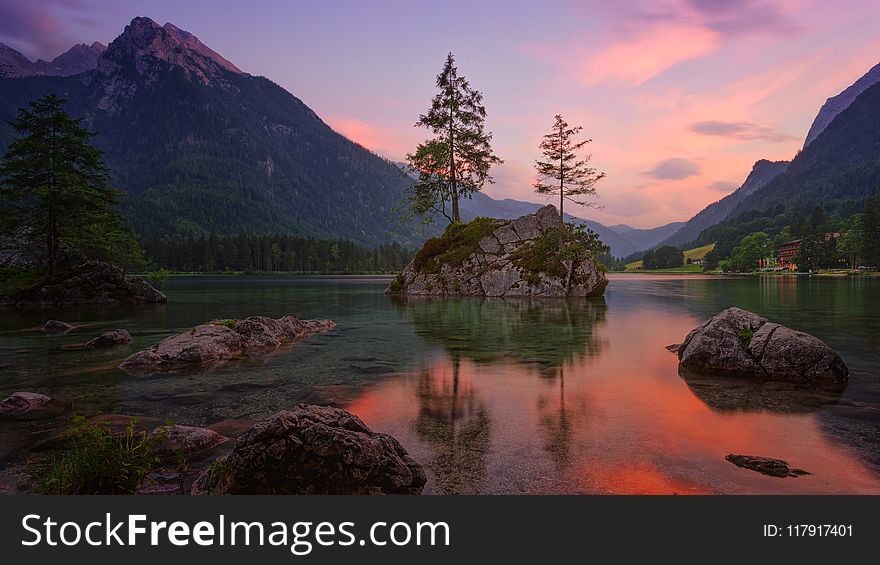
[(762, 172), (78, 59), (839, 165), (199, 145)]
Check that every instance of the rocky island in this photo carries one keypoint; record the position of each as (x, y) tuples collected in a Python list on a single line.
[(534, 255)]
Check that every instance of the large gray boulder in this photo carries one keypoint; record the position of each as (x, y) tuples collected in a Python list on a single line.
[(313, 450), (496, 258), (221, 340), (737, 342)]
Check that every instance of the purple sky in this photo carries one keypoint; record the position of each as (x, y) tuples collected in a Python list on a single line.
[(679, 96)]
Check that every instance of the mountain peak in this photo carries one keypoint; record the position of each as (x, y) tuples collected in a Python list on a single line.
[(144, 42), (78, 59), (837, 104)]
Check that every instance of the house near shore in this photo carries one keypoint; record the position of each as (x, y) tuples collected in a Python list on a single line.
[(787, 252)]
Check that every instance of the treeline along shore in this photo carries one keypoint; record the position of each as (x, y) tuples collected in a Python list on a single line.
[(273, 253)]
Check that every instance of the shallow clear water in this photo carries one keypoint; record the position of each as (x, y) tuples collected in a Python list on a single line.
[(497, 396)]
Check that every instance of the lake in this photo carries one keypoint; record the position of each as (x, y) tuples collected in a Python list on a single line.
[(498, 396)]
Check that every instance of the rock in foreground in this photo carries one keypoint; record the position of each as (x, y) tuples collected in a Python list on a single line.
[(57, 327), (741, 343), (534, 255), (313, 450), (765, 465), (171, 439), (113, 338), (93, 282), (221, 340)]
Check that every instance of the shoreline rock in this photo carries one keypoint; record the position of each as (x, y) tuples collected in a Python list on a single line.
[(113, 338), (500, 258), (221, 340), (30, 406), (92, 282), (56, 327), (313, 450), (737, 342)]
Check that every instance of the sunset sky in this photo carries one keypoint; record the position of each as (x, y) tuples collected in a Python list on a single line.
[(681, 97)]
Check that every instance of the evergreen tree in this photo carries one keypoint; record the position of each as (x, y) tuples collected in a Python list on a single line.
[(456, 162), (562, 173), (56, 205)]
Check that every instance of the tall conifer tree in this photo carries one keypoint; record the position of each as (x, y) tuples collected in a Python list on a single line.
[(561, 173), (56, 205), (456, 162)]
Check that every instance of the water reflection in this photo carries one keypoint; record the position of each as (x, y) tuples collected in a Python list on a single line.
[(560, 417), (454, 421), (543, 334), (547, 333), (729, 394), (499, 396), (592, 404)]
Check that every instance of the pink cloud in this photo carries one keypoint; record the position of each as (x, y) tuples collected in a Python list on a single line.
[(636, 60), (385, 141)]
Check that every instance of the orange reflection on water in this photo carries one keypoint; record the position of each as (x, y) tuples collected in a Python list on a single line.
[(619, 421)]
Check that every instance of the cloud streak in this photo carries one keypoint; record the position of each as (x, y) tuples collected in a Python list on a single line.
[(675, 168), (740, 130)]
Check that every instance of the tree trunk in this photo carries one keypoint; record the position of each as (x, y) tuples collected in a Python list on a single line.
[(50, 243), (561, 178), (456, 217)]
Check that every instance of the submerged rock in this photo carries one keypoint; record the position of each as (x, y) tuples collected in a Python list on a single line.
[(30, 405), (765, 465), (57, 327), (112, 338), (741, 343), (93, 282), (313, 450), (503, 258), (221, 340)]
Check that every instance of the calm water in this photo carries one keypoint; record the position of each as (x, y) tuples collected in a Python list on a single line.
[(496, 396)]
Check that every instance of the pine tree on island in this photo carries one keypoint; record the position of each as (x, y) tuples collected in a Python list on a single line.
[(456, 162), (562, 173), (57, 208)]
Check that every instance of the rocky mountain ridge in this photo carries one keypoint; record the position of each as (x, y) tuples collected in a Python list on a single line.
[(78, 59)]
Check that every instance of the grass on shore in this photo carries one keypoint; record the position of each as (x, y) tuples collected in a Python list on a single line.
[(684, 269), (695, 254), (97, 460)]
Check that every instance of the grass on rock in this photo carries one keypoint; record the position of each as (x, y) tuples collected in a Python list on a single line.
[(455, 245)]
